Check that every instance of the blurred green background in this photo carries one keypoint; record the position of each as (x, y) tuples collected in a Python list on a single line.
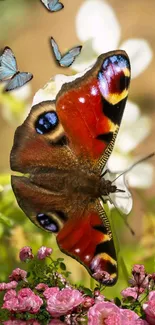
[(26, 26)]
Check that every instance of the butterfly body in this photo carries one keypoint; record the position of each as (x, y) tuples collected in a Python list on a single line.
[(63, 146)]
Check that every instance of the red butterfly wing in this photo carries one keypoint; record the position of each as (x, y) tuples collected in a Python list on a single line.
[(91, 107)]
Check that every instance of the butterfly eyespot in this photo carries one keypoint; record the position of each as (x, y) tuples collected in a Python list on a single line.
[(46, 122), (51, 221), (47, 223)]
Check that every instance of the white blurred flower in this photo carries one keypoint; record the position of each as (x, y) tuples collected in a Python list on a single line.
[(98, 28), (15, 102), (133, 130), (50, 90)]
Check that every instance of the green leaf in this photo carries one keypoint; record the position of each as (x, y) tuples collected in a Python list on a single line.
[(5, 220), (117, 301), (62, 266)]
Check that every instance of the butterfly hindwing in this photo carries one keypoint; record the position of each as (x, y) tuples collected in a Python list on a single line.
[(55, 6), (89, 240), (85, 236), (69, 58), (18, 80)]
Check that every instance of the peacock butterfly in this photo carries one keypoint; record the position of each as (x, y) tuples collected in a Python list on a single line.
[(63, 147)]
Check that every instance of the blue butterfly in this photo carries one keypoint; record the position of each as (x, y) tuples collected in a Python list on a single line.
[(68, 58), (53, 5), (9, 71)]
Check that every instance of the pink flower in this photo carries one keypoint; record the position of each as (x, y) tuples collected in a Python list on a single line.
[(26, 300), (129, 317), (59, 302), (98, 314), (48, 293), (41, 287), (98, 296), (109, 314), (15, 322), (2, 286), (10, 294), (140, 278), (56, 322), (130, 292), (25, 254), (21, 322), (8, 286), (10, 301), (138, 268), (149, 308), (18, 275), (44, 252), (88, 302)]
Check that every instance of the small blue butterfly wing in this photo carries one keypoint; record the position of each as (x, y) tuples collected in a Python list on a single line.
[(45, 3), (57, 7), (75, 51), (69, 58), (55, 49), (18, 80), (54, 5), (8, 64)]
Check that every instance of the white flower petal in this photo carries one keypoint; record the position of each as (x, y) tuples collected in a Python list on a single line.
[(141, 176), (129, 138), (139, 53), (120, 200), (86, 58), (118, 162), (131, 114), (96, 20), (50, 90), (23, 92)]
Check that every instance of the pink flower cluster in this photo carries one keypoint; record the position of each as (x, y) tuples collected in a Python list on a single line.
[(32, 322), (139, 282), (149, 308), (25, 253), (60, 302), (72, 304), (108, 313), (24, 301)]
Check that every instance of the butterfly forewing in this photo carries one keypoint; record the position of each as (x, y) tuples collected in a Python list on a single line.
[(96, 109), (55, 49), (8, 64), (63, 146)]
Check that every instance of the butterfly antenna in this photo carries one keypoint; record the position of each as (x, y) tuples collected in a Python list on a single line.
[(136, 163), (122, 216)]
